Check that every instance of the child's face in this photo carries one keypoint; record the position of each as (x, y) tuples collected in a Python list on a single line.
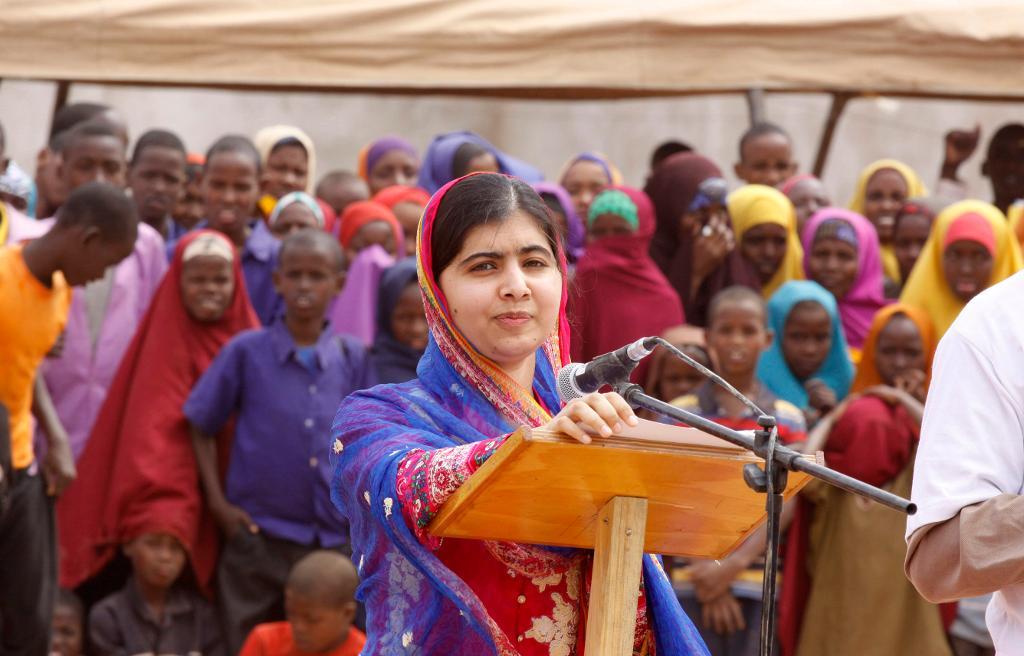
[(806, 339), (189, 209), (307, 278), (395, 167), (884, 195), (374, 232), (737, 334), (230, 191), (67, 632), (342, 194), (608, 225), (1005, 165), (908, 241), (678, 378), (767, 160), (316, 626), (967, 266), (900, 349), (294, 217), (833, 265), (808, 196), (207, 287), (93, 159), (408, 214), (584, 180), (157, 560), (286, 171), (94, 255), (157, 181), (764, 246), (408, 320)]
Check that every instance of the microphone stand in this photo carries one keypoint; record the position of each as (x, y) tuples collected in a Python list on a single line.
[(770, 481)]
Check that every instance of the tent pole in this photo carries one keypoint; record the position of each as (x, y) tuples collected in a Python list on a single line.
[(63, 90), (755, 105), (839, 100)]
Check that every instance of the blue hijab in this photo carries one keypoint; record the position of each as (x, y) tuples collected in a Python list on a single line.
[(395, 362), (436, 170), (836, 371)]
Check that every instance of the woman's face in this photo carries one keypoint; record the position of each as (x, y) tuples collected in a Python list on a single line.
[(764, 247), (408, 319), (286, 171), (833, 265), (900, 349), (207, 286), (967, 266), (908, 241), (395, 167), (583, 181), (884, 195), (808, 196), (504, 289)]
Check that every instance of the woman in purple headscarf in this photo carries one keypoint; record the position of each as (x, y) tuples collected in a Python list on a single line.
[(455, 154), (570, 225), (389, 161)]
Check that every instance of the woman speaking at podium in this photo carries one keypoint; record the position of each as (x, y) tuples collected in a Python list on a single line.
[(493, 279)]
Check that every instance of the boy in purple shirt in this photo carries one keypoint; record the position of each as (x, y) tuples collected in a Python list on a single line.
[(283, 383)]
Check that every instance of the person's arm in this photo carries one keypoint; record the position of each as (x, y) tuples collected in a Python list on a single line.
[(959, 146), (59, 464), (229, 517)]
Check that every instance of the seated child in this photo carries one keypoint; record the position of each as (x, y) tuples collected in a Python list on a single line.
[(68, 633), (808, 362), (283, 384), (320, 605), (155, 612), (401, 325), (724, 597), (766, 156)]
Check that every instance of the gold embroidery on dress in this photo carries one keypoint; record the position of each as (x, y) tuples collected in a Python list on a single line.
[(557, 631), (542, 582)]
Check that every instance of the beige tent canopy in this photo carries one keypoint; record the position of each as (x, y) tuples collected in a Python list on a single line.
[(526, 48)]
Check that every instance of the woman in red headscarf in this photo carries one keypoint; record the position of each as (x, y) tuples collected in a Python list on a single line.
[(137, 474)]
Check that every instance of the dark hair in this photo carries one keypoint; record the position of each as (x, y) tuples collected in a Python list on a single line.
[(552, 202), (480, 200), (71, 115), (234, 143), (68, 599), (3, 139), (336, 177), (465, 154), (760, 130), (1008, 131), (288, 141), (667, 149), (101, 205), (192, 171), (736, 294), (158, 139), (87, 130), (312, 238)]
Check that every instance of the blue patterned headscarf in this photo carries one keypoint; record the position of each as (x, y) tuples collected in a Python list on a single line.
[(414, 603), (836, 371)]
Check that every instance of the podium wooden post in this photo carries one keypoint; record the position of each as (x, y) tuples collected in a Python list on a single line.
[(648, 489)]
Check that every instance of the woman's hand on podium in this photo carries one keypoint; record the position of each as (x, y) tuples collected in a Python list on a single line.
[(603, 414)]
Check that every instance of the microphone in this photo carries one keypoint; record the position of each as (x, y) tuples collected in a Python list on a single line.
[(576, 380)]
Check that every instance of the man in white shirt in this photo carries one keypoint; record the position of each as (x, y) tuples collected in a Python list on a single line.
[(967, 538)]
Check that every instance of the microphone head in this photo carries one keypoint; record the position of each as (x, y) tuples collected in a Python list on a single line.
[(568, 390)]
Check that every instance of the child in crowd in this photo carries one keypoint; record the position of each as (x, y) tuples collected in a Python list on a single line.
[(970, 249), (842, 255), (666, 149), (295, 211), (669, 377), (369, 223), (910, 232), (284, 384), (339, 189), (156, 176), (845, 591), (388, 162), (584, 176), (287, 164), (571, 226), (231, 183), (104, 314), (766, 156), (95, 228), (455, 154), (319, 599), (68, 633), (808, 195), (807, 363), (882, 188), (141, 433), (155, 612), (407, 203), (401, 324), (188, 212), (724, 597), (764, 223)]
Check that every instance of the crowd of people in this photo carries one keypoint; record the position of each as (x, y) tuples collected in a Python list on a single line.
[(178, 330)]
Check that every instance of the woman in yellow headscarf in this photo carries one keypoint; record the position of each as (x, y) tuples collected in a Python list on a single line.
[(882, 188), (764, 222), (970, 249), (287, 164)]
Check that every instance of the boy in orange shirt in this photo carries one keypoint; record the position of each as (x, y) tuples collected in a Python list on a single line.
[(95, 228), (320, 605)]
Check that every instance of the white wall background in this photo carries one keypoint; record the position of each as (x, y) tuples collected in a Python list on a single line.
[(544, 132)]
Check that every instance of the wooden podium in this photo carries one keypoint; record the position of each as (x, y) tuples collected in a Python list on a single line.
[(653, 488)]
